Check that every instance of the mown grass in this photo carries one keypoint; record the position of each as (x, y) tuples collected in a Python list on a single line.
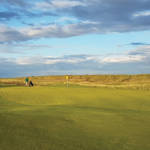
[(74, 118)]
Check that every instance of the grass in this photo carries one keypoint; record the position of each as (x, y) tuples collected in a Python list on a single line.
[(74, 118), (120, 81)]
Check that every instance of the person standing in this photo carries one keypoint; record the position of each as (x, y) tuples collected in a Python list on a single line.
[(26, 81), (30, 83)]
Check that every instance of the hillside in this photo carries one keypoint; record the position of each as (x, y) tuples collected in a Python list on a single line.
[(142, 81)]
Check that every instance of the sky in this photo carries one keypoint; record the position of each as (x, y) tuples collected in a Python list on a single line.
[(57, 37)]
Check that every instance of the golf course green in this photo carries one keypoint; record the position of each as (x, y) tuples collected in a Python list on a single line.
[(74, 118)]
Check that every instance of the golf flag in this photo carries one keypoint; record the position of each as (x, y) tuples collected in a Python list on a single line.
[(67, 77)]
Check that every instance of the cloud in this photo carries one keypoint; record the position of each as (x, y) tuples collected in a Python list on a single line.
[(9, 34), (141, 51), (18, 48), (135, 55), (112, 16), (72, 59), (142, 13), (5, 15), (19, 9), (15, 3), (138, 43), (58, 4), (124, 59), (20, 23), (81, 17), (134, 61)]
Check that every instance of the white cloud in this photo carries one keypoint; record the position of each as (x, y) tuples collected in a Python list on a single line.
[(23, 61), (9, 34), (46, 60), (139, 54), (90, 22), (141, 50), (66, 3), (123, 59), (133, 56), (142, 13), (133, 61), (88, 16), (58, 4), (66, 18)]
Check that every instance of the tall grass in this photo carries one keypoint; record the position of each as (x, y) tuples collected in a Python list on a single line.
[(126, 81)]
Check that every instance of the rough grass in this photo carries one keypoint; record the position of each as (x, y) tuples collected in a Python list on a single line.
[(74, 118), (125, 81)]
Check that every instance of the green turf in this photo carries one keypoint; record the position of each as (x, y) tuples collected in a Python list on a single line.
[(75, 118)]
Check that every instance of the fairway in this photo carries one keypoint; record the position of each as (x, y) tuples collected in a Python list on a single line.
[(74, 118)]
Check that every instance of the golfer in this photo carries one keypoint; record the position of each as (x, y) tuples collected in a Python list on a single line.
[(31, 83), (26, 81)]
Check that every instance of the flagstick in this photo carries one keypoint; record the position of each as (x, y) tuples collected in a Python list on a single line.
[(67, 78)]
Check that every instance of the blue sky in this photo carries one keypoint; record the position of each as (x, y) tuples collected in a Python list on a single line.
[(49, 37)]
